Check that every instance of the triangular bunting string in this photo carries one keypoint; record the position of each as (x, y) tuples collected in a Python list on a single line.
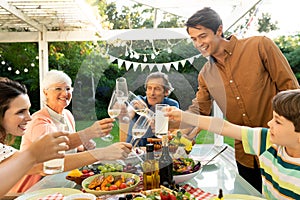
[(143, 66), (167, 66), (183, 62), (159, 67), (191, 60), (151, 66), (112, 58), (135, 66), (120, 62), (127, 64), (175, 65)]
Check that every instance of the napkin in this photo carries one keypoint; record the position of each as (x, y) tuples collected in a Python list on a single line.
[(55, 196), (198, 193)]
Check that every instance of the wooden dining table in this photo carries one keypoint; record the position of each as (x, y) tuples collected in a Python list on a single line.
[(221, 173)]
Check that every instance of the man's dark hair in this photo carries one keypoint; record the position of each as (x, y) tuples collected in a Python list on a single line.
[(206, 17)]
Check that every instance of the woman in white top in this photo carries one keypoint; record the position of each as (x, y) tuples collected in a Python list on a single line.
[(14, 164)]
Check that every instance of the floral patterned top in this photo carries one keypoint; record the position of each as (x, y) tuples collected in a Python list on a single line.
[(6, 151)]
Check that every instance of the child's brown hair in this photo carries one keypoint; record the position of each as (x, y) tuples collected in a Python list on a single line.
[(287, 104)]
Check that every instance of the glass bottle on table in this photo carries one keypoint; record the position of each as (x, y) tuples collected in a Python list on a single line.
[(165, 163), (150, 167)]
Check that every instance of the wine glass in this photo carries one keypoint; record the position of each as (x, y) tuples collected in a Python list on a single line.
[(113, 110), (140, 127), (121, 85), (138, 105), (55, 165)]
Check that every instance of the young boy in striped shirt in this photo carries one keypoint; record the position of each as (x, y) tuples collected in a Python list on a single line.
[(278, 147)]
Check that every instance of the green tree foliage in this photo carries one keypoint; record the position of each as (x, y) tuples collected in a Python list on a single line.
[(265, 24), (290, 47), (19, 61)]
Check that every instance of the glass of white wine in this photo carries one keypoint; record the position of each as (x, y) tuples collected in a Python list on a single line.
[(138, 105), (140, 127), (113, 110)]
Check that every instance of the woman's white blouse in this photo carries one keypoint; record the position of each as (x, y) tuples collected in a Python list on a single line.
[(6, 151)]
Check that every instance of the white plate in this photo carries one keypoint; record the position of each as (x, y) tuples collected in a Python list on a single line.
[(42, 193)]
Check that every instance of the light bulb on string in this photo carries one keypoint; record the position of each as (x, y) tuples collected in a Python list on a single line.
[(17, 72), (152, 56), (126, 52), (136, 55), (131, 54), (9, 68), (145, 58), (32, 64), (3, 62), (25, 70)]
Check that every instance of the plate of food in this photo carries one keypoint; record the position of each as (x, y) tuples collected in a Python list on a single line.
[(185, 169), (78, 175), (110, 183), (63, 192)]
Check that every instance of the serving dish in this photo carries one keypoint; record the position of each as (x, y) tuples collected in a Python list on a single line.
[(185, 169), (186, 177), (88, 180)]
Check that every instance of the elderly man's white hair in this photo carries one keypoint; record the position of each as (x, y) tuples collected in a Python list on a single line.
[(54, 77)]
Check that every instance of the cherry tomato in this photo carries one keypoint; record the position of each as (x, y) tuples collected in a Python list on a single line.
[(172, 197), (123, 185), (164, 195), (113, 187), (85, 171)]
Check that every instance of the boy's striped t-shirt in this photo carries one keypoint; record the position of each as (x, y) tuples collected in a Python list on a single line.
[(280, 172)]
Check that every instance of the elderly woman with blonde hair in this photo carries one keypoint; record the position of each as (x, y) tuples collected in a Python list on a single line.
[(57, 95)]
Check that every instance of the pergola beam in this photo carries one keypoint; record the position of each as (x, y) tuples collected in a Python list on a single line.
[(13, 10), (125, 34)]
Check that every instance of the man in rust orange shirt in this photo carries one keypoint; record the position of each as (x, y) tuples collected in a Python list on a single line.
[(242, 76)]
